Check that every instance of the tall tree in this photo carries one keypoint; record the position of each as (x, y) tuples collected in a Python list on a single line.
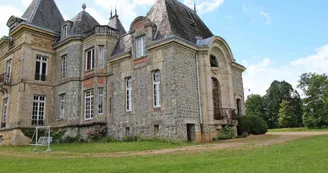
[(315, 89), (287, 118), (278, 92), (254, 106)]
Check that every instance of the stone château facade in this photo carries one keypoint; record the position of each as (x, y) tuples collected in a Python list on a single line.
[(168, 76)]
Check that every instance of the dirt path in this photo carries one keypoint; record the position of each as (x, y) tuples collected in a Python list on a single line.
[(250, 142)]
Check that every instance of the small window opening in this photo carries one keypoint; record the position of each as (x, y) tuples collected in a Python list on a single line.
[(214, 61), (156, 130), (127, 131)]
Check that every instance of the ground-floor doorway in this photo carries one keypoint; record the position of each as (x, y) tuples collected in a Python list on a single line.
[(191, 132)]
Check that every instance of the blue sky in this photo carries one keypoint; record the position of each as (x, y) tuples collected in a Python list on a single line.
[(274, 40)]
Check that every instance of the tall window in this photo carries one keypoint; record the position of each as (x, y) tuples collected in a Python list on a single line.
[(65, 31), (90, 59), (101, 56), (38, 112), (62, 107), (4, 113), (140, 47), (8, 71), (88, 105), (100, 100), (238, 107), (41, 68), (128, 85), (64, 66), (216, 98), (157, 88)]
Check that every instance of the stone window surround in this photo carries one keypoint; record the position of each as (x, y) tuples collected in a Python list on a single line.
[(42, 60), (64, 65), (62, 106), (101, 100), (128, 84), (156, 86), (9, 64), (39, 101), (65, 31), (4, 112), (101, 56), (92, 59), (236, 97), (143, 46)]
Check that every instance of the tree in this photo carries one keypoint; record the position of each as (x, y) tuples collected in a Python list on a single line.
[(254, 106), (287, 118), (315, 89), (278, 92)]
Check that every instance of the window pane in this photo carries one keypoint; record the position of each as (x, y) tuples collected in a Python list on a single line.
[(37, 70), (101, 56)]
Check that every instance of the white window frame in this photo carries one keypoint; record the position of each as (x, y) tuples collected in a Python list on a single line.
[(92, 50), (156, 88), (42, 59), (64, 65), (5, 110), (8, 70), (88, 105), (100, 100), (140, 47), (39, 100), (62, 106), (128, 92), (65, 31), (101, 56)]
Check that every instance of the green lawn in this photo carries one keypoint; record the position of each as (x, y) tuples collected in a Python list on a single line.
[(302, 129), (306, 155)]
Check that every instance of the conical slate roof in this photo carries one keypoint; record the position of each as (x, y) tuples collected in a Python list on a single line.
[(115, 23), (44, 14), (82, 22), (174, 18)]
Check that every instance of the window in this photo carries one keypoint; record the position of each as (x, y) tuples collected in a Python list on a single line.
[(8, 71), (62, 107), (213, 61), (128, 82), (238, 107), (127, 131), (0, 139), (140, 47), (90, 60), (100, 100), (38, 112), (157, 88), (64, 66), (101, 56), (65, 31), (4, 113), (41, 68), (156, 130), (216, 95), (88, 105)]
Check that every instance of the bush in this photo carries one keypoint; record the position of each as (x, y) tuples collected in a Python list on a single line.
[(251, 125), (97, 133), (227, 133), (243, 125), (244, 135), (257, 125)]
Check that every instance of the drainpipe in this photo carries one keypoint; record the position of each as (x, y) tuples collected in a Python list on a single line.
[(199, 99)]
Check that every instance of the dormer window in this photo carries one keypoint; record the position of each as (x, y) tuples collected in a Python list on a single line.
[(214, 61), (65, 30), (140, 47)]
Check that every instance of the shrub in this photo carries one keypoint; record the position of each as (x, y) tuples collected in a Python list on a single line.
[(227, 133), (257, 125), (243, 125), (244, 135), (97, 133)]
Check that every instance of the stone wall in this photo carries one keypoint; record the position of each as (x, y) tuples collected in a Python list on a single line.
[(238, 88)]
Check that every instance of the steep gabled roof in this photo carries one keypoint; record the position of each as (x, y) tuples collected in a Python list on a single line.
[(115, 23), (174, 18), (82, 22), (44, 14)]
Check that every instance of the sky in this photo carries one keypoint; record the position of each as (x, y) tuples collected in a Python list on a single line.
[(274, 40)]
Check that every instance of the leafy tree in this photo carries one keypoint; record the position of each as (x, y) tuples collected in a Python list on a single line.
[(315, 89), (278, 92), (254, 106), (287, 118)]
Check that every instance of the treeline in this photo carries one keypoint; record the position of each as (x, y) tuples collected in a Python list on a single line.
[(282, 105)]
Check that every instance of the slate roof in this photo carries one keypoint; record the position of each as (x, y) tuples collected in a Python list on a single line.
[(82, 23), (123, 45), (115, 23), (174, 18), (44, 14)]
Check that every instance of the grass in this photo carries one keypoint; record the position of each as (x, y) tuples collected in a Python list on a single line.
[(301, 129), (306, 155)]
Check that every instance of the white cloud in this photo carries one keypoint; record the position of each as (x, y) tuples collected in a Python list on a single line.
[(204, 6), (144, 2), (245, 8), (229, 17), (259, 75), (5, 13), (98, 16), (26, 3), (267, 17)]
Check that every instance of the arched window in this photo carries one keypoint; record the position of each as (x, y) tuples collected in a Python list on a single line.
[(214, 61), (128, 87), (216, 94), (157, 88), (238, 107)]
